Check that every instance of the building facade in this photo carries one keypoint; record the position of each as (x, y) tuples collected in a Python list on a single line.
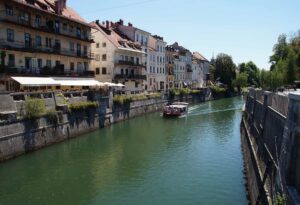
[(170, 67), (156, 72), (117, 58), (43, 38)]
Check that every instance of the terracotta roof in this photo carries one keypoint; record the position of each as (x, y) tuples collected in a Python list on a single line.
[(49, 6), (198, 56), (116, 37)]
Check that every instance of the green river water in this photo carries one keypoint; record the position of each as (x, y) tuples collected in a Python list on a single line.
[(146, 160)]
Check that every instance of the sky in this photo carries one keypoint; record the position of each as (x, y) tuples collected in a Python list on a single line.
[(245, 29)]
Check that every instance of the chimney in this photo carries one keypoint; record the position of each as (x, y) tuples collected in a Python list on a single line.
[(107, 24), (97, 22), (130, 24), (60, 5), (121, 22)]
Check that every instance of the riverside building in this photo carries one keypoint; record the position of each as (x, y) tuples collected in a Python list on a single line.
[(118, 59), (156, 74), (43, 38)]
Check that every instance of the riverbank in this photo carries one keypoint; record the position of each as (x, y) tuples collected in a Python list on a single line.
[(22, 136), (270, 143)]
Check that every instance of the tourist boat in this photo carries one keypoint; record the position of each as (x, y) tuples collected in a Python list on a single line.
[(176, 109)]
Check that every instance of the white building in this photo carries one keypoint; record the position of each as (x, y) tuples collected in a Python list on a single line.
[(156, 72), (204, 65)]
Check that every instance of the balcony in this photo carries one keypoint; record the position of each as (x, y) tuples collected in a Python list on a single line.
[(56, 71), (129, 63), (45, 26), (29, 46), (130, 77)]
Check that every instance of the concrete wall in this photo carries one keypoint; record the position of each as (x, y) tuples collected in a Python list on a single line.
[(270, 143)]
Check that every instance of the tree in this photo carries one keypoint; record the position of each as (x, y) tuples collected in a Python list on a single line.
[(252, 72), (240, 81), (225, 69), (280, 51)]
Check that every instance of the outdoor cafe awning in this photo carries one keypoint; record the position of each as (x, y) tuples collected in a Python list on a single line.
[(35, 81), (78, 82), (56, 81)]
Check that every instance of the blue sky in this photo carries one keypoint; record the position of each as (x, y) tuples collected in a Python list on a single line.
[(244, 29)]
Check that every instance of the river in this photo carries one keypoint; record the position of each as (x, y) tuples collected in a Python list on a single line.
[(146, 160)]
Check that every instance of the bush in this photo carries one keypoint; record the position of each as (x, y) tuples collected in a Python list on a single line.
[(34, 108), (195, 92), (52, 116), (79, 106), (184, 91), (122, 99), (217, 90), (154, 95)]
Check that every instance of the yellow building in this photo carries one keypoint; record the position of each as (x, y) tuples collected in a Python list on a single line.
[(117, 58), (43, 38)]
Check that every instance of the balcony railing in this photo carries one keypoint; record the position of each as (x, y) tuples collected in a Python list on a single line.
[(30, 46), (129, 63), (46, 26), (131, 77), (46, 71)]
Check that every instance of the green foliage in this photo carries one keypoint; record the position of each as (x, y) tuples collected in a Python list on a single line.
[(241, 80), (225, 69), (252, 72), (280, 199), (272, 80), (121, 99), (80, 106), (52, 116), (286, 58), (217, 90), (34, 108), (195, 92), (184, 91)]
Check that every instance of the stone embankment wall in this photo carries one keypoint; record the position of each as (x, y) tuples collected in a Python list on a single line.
[(270, 133), (21, 136)]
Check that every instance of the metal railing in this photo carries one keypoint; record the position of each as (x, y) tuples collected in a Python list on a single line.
[(130, 63), (131, 77), (31, 46), (46, 26)]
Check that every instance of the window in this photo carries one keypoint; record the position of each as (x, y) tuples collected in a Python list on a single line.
[(97, 45), (9, 10), (48, 42), (104, 57), (48, 63), (27, 39), (24, 17), (78, 32), (97, 71), (65, 26), (11, 60), (71, 29), (72, 47), (10, 35), (104, 44), (150, 70), (40, 63), (137, 37), (38, 41), (104, 71), (72, 66), (97, 57), (85, 52), (78, 50), (38, 20)]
